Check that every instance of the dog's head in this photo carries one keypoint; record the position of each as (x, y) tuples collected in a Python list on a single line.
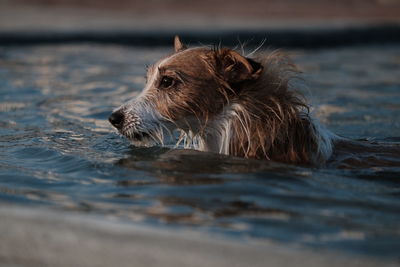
[(185, 90)]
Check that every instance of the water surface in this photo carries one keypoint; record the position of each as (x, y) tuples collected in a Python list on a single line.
[(57, 150)]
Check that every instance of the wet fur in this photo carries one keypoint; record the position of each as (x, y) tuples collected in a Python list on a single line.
[(226, 103), (264, 117)]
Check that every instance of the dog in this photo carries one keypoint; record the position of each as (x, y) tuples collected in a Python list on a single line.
[(224, 102)]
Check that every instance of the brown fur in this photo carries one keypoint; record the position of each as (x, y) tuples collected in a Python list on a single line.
[(217, 88), (273, 122), (275, 117)]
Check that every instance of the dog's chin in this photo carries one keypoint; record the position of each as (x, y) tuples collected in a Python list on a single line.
[(139, 138)]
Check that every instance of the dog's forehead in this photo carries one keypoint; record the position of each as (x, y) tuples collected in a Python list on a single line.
[(184, 59)]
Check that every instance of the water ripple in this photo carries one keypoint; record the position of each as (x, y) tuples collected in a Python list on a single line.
[(57, 149)]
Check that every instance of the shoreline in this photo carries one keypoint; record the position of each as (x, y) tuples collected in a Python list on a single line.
[(22, 24), (285, 37)]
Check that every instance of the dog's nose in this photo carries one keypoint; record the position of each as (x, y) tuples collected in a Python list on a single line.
[(116, 119)]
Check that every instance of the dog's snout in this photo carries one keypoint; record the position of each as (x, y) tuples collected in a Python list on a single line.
[(117, 119)]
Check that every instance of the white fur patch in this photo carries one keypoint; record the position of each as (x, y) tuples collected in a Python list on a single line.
[(324, 139), (217, 136)]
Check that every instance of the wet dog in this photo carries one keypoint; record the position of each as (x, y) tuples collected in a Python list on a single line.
[(224, 102)]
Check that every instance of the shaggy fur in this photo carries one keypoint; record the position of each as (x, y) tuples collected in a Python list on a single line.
[(226, 103)]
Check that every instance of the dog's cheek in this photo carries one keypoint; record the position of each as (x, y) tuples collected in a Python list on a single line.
[(167, 106)]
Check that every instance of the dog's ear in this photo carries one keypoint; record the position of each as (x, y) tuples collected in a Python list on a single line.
[(236, 68), (179, 46)]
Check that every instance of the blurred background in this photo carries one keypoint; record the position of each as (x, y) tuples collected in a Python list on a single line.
[(73, 16)]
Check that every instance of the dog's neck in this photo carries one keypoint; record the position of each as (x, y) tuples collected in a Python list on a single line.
[(303, 141), (267, 120)]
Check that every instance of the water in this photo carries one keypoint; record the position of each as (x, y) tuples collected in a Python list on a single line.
[(57, 150)]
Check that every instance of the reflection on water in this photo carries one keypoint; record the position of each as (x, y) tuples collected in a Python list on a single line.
[(58, 150)]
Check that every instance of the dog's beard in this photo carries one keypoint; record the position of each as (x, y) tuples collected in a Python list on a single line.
[(149, 136), (139, 138)]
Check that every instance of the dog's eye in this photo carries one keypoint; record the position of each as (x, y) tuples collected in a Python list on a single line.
[(166, 82)]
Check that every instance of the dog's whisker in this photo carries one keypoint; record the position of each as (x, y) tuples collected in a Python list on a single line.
[(257, 48)]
